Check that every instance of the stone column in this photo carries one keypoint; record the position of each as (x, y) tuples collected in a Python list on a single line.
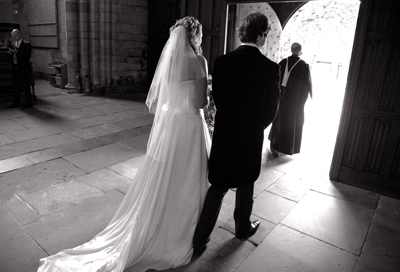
[(72, 42), (94, 29), (105, 41), (83, 29)]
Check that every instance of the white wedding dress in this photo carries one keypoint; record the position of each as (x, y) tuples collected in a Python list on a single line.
[(153, 227)]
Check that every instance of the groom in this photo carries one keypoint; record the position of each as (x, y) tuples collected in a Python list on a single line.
[(246, 94)]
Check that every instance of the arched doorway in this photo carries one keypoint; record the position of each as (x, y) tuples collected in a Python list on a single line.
[(326, 30)]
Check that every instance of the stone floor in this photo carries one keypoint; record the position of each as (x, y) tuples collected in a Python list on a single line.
[(66, 164)]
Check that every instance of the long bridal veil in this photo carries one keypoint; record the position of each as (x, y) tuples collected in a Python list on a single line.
[(178, 64), (154, 225)]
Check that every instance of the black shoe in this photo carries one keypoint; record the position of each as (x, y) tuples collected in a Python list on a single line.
[(26, 107), (12, 106), (253, 228), (274, 152)]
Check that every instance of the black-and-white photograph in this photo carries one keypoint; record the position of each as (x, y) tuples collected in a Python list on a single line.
[(199, 136)]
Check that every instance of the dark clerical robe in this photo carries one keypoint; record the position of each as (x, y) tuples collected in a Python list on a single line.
[(287, 128)]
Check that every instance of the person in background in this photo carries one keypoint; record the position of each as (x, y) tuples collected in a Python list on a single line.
[(287, 128), (20, 51)]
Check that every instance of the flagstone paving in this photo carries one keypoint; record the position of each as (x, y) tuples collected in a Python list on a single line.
[(66, 164)]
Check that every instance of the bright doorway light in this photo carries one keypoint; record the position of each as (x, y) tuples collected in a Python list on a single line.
[(325, 29)]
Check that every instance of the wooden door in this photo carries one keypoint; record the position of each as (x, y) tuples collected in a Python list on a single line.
[(212, 15), (162, 15), (367, 151)]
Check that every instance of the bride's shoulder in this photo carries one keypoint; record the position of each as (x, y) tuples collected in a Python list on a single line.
[(202, 59), (203, 62)]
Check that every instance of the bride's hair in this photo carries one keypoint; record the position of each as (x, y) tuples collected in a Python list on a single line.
[(194, 32)]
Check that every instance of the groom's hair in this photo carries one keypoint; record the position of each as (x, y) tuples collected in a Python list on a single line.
[(252, 26)]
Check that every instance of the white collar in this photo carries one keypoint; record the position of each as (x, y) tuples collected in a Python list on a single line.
[(18, 43), (250, 44)]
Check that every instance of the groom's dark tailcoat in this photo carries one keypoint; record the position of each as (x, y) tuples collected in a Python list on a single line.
[(246, 94)]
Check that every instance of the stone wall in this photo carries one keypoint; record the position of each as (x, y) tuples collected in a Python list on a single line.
[(102, 41), (21, 17), (6, 12), (107, 43), (41, 58), (131, 50)]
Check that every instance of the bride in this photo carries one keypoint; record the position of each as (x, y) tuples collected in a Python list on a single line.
[(153, 227)]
